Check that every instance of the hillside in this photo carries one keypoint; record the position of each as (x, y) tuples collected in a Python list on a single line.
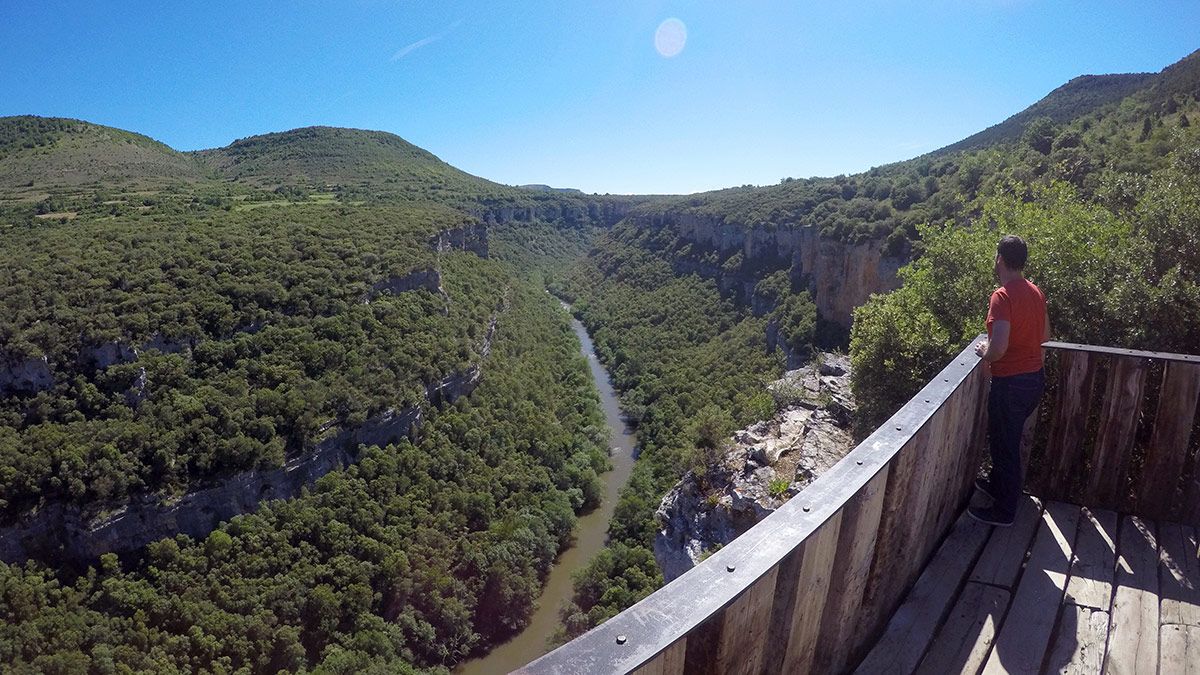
[(327, 157), (1102, 174), (323, 387), (45, 153), (1082, 95)]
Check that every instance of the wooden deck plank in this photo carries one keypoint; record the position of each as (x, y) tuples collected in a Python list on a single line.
[(1001, 560), (1091, 579), (1025, 635), (1078, 647), (1179, 574), (1133, 625), (1180, 653), (964, 641), (914, 624)]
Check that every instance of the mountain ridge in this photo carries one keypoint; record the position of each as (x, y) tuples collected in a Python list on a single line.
[(326, 156)]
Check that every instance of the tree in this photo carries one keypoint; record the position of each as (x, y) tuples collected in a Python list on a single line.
[(1039, 135)]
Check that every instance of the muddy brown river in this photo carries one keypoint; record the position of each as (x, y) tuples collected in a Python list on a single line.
[(590, 535)]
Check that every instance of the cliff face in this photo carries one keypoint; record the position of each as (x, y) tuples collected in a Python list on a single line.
[(604, 212), (63, 532), (24, 375), (429, 278), (469, 237), (762, 466), (60, 532), (840, 276)]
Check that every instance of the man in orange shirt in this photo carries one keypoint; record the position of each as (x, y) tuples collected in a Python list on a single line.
[(1017, 325)]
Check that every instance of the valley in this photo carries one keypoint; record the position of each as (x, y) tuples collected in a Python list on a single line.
[(303, 402)]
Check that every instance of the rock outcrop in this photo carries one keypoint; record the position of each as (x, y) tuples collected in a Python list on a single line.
[(429, 278), (603, 212), (108, 354), (24, 375), (839, 275), (763, 466), (167, 345), (468, 237)]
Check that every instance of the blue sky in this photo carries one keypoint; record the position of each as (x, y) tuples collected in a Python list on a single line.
[(575, 94)]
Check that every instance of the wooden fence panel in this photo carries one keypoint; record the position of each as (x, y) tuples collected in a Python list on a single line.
[(744, 628), (816, 570), (925, 487), (1167, 453), (884, 584), (851, 567), (1064, 449), (669, 662), (1118, 424)]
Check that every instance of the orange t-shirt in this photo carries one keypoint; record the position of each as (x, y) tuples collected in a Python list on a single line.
[(1023, 306)]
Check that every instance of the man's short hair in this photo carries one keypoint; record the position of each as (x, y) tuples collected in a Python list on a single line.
[(1014, 251)]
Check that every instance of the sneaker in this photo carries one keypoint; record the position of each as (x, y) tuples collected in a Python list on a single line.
[(989, 516), (984, 486)]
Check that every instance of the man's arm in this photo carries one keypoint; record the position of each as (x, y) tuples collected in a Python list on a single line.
[(1046, 327), (993, 350)]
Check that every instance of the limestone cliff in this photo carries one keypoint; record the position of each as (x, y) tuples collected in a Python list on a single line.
[(24, 375), (62, 532), (596, 211), (428, 278), (839, 275), (763, 466), (471, 237)]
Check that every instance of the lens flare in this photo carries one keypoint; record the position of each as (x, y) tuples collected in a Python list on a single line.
[(670, 38)]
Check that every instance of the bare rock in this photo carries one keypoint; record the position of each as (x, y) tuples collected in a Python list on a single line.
[(108, 354), (764, 465), (24, 375)]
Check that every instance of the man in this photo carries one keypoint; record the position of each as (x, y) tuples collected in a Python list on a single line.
[(1017, 325)]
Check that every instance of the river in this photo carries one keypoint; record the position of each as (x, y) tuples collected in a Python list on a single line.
[(591, 532)]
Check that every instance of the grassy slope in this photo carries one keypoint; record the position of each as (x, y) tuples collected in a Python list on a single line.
[(39, 154), (329, 156)]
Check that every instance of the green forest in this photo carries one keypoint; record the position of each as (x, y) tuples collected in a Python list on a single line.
[(1102, 177), (170, 320), (183, 335)]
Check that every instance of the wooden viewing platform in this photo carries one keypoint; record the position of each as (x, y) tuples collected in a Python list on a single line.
[(1065, 590), (874, 568)]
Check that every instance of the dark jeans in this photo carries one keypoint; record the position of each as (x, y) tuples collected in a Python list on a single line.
[(1011, 401)]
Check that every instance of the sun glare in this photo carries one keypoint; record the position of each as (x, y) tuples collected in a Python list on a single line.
[(670, 37)]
